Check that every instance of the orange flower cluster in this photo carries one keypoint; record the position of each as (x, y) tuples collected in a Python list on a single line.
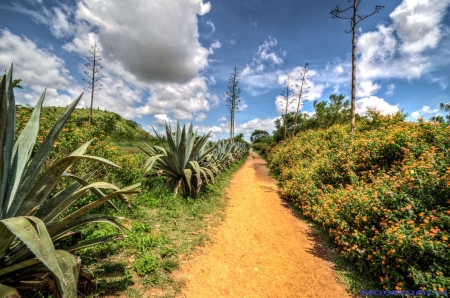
[(382, 196)]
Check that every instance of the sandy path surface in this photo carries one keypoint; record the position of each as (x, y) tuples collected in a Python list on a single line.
[(261, 249)]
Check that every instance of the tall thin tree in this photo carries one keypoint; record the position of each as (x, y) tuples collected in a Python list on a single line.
[(354, 19), (287, 94), (302, 86), (93, 73), (233, 98)]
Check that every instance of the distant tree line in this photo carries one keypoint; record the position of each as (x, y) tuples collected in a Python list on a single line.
[(326, 114)]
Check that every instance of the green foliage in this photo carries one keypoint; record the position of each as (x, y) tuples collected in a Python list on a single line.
[(17, 170), (327, 114), (16, 84), (133, 124), (77, 132), (375, 120), (239, 138), (336, 111), (34, 213), (145, 264), (120, 130), (262, 140), (185, 162), (381, 195), (188, 162), (257, 135), (438, 118), (225, 153), (288, 120), (446, 108)]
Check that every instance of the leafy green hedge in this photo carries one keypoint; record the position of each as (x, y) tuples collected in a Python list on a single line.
[(384, 196)]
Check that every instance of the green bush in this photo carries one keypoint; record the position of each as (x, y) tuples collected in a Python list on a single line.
[(146, 264), (383, 196)]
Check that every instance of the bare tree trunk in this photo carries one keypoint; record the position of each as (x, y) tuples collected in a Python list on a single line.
[(234, 111), (93, 69), (354, 20), (92, 100), (232, 123), (233, 99), (302, 89), (353, 107), (298, 108), (92, 87)]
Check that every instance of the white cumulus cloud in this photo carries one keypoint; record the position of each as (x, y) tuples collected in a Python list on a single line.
[(175, 56), (391, 88), (367, 88), (200, 117), (425, 110), (265, 56), (182, 101), (214, 45), (39, 69), (399, 50), (379, 104), (417, 23), (145, 61)]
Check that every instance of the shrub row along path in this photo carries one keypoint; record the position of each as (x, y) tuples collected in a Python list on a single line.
[(261, 249)]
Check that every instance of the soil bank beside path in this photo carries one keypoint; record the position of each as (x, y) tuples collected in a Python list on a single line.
[(261, 249)]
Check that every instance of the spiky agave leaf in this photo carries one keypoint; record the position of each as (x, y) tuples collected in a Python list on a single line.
[(184, 161), (55, 228), (33, 233), (47, 182), (8, 292), (39, 276), (88, 219), (98, 192), (26, 248), (58, 225), (28, 180), (7, 131)]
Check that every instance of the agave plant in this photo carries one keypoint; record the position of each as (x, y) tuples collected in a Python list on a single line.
[(186, 162), (227, 152), (32, 218)]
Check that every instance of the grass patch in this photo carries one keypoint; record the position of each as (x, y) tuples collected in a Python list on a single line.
[(164, 228)]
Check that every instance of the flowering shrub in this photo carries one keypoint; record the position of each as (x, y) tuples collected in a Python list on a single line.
[(76, 133), (384, 196)]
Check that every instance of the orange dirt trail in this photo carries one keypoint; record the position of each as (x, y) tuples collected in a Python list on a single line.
[(261, 249)]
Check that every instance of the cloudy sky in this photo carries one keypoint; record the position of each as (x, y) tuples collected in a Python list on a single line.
[(171, 60)]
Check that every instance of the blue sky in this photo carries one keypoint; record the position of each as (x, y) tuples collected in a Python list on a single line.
[(171, 60)]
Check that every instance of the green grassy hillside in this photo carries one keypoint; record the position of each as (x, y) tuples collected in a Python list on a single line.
[(124, 133)]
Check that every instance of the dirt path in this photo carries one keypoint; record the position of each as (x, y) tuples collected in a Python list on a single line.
[(261, 249)]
